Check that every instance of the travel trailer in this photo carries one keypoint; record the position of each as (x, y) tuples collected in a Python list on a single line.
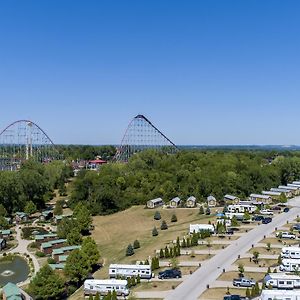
[(290, 252), (103, 286), (241, 208), (279, 295), (282, 281), (144, 271), (201, 227), (289, 265)]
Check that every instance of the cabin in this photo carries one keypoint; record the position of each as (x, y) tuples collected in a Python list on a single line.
[(2, 244), (46, 215), (56, 253), (202, 227), (274, 195), (175, 202), (5, 233), (191, 202), (296, 182), (211, 201), (287, 193), (21, 217), (282, 281), (155, 203), (42, 238), (241, 208), (103, 286), (230, 199), (279, 295), (261, 198), (12, 292), (48, 247), (294, 190), (144, 271)]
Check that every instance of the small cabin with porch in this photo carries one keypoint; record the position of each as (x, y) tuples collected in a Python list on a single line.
[(191, 201), (211, 201), (155, 203), (175, 202)]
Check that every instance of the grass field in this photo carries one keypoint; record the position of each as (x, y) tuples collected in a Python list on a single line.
[(163, 285), (219, 293), (114, 232), (261, 250), (262, 262), (229, 276)]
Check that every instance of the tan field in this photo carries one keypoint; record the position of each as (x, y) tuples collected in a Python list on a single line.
[(218, 293), (229, 276), (272, 251), (262, 262)]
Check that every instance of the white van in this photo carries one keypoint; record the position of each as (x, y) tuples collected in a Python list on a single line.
[(103, 286)]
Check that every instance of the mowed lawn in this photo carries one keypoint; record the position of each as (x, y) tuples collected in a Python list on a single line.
[(114, 232)]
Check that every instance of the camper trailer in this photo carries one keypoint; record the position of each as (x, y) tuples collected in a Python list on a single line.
[(279, 295), (144, 271), (201, 227), (239, 216), (103, 286), (289, 265), (241, 208), (290, 252), (282, 281)]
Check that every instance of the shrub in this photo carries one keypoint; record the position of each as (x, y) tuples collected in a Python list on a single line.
[(201, 210), (40, 254), (50, 260), (136, 244), (164, 225), (157, 215), (154, 232), (174, 218), (129, 250)]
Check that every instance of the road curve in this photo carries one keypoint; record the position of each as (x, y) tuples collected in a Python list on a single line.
[(196, 284)]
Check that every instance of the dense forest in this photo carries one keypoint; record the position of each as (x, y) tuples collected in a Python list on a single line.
[(152, 174)]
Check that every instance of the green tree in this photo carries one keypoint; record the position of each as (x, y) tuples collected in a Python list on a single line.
[(136, 244), (241, 270), (248, 293), (207, 211), (77, 266), (114, 295), (282, 198), (201, 210), (62, 189), (74, 237), (58, 209), (3, 211), (234, 222), (163, 225), (91, 297), (167, 252), (173, 218), (129, 250), (161, 253), (154, 231), (65, 226), (255, 256), (97, 296), (268, 246), (3, 223), (47, 284), (157, 215), (30, 208), (247, 216), (83, 217)]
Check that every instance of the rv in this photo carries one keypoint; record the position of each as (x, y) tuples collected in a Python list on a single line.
[(239, 216), (279, 295), (144, 271), (241, 208), (290, 252), (282, 281), (103, 286), (289, 265), (201, 227)]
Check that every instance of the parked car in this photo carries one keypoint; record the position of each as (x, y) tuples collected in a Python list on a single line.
[(230, 231), (286, 209), (267, 220), (172, 273), (297, 227), (285, 235), (266, 212), (258, 218), (244, 282), (234, 297), (276, 208)]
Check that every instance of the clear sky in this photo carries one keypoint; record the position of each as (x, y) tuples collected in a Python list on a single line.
[(204, 72)]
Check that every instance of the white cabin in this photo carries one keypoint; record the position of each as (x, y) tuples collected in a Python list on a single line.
[(241, 208), (144, 271), (279, 295), (103, 286), (290, 252), (155, 203), (289, 265), (191, 201), (201, 227), (175, 202), (282, 281)]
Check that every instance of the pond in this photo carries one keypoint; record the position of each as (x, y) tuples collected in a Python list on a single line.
[(15, 270)]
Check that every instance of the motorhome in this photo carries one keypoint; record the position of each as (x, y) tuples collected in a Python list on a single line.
[(279, 295), (282, 281), (241, 208), (144, 271), (289, 265), (290, 252), (201, 227), (103, 286)]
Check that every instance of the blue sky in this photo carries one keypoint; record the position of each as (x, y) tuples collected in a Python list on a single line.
[(204, 72)]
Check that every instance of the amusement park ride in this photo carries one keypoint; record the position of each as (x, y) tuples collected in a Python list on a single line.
[(23, 140)]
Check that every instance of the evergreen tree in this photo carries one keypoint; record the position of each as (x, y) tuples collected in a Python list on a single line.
[(188, 242), (58, 209), (157, 215), (171, 252), (248, 293), (89, 247), (161, 253), (164, 225), (97, 296), (114, 295), (129, 250), (167, 253), (183, 244), (207, 211), (30, 208), (201, 210), (74, 237), (138, 279), (178, 242), (136, 244), (173, 218), (154, 231), (83, 217)]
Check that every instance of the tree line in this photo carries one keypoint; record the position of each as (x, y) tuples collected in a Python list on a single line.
[(151, 174)]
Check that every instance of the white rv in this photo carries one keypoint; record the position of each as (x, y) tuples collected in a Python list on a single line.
[(282, 281), (201, 227), (239, 216), (290, 252), (289, 265), (241, 208), (103, 286), (279, 295), (144, 271)]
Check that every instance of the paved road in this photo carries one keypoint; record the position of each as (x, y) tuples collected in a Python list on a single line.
[(196, 284)]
